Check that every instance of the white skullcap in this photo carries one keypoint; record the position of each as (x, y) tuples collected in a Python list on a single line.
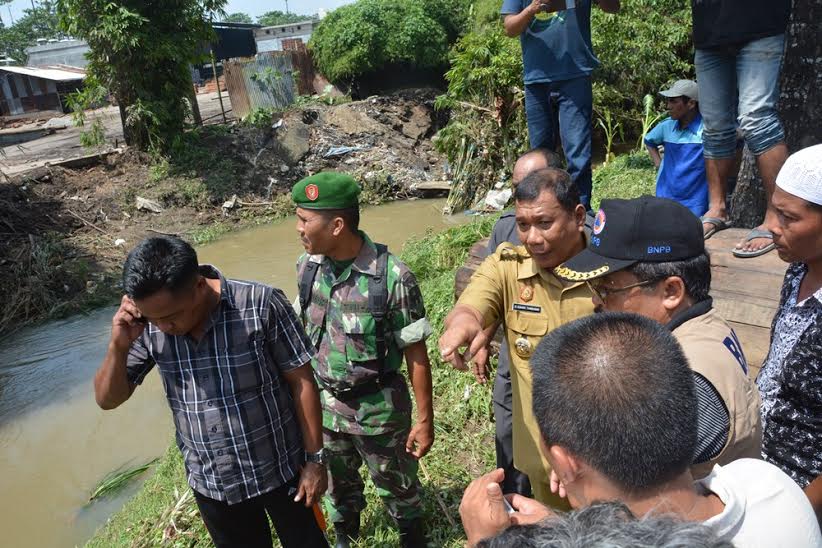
[(802, 174)]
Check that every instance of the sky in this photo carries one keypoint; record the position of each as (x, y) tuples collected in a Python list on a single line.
[(251, 7)]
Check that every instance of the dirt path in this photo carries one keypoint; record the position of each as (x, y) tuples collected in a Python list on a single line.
[(64, 144)]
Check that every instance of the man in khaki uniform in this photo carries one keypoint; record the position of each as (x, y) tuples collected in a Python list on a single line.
[(648, 256), (516, 288)]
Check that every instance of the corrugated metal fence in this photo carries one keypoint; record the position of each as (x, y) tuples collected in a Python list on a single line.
[(267, 80)]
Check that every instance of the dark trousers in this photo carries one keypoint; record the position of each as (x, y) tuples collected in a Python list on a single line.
[(515, 481), (245, 525), (575, 104)]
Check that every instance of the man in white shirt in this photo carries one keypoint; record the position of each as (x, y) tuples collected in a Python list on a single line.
[(616, 406)]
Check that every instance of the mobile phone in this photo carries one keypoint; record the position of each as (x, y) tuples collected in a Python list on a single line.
[(550, 6), (508, 507)]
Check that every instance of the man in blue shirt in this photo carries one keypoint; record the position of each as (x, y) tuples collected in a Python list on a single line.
[(681, 174), (558, 60)]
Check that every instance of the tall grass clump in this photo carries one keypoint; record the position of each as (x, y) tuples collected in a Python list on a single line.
[(117, 480)]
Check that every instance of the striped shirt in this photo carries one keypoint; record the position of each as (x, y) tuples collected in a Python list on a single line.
[(235, 419)]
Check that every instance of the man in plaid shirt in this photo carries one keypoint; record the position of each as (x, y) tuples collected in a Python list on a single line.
[(236, 368)]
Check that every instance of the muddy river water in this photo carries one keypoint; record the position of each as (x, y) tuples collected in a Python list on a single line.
[(56, 445)]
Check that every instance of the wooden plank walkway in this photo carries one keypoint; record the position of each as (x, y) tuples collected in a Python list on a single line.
[(745, 291)]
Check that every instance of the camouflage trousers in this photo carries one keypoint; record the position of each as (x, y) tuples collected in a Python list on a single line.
[(393, 471)]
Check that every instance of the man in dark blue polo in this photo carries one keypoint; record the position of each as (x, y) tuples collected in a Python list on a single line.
[(558, 59)]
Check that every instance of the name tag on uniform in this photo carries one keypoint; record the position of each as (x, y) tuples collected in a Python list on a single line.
[(527, 308)]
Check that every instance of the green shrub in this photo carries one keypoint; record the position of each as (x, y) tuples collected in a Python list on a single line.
[(487, 129), (368, 35), (642, 48)]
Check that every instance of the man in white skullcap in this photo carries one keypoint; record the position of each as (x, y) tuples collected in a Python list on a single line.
[(791, 378)]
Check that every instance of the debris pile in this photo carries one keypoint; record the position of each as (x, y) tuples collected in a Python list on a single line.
[(379, 140)]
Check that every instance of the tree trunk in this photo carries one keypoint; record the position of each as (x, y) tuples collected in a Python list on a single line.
[(127, 137), (800, 104)]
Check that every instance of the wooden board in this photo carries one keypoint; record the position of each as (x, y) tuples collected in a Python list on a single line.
[(745, 291)]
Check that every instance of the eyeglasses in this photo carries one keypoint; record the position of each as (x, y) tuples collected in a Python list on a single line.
[(601, 291)]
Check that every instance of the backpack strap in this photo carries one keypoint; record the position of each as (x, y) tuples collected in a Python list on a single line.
[(378, 303), (305, 284)]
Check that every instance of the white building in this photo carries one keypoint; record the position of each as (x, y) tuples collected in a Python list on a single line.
[(284, 37)]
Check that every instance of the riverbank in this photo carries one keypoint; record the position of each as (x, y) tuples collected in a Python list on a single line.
[(163, 513), (65, 229)]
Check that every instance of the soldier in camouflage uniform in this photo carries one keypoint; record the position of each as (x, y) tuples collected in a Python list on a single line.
[(366, 403)]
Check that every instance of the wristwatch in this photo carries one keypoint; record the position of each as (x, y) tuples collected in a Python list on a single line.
[(316, 458)]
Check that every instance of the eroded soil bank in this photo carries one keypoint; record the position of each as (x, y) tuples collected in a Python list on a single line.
[(65, 229)]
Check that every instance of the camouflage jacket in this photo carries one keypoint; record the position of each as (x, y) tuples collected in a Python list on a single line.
[(343, 331)]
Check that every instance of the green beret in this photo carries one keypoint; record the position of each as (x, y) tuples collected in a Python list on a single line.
[(326, 190)]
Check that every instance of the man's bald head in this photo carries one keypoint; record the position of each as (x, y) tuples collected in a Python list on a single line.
[(534, 160)]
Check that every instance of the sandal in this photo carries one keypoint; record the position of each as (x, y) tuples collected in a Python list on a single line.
[(752, 235), (716, 223)]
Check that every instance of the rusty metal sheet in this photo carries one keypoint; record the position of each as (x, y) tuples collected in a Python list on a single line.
[(269, 80)]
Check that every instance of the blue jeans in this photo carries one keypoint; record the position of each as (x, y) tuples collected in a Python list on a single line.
[(575, 102), (746, 78)]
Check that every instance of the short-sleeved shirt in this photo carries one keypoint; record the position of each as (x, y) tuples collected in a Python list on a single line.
[(505, 230), (342, 329), (791, 383), (556, 46), (762, 506), (235, 419), (510, 288), (720, 23), (682, 175)]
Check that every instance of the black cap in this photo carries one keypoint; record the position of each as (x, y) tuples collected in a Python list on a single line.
[(625, 232)]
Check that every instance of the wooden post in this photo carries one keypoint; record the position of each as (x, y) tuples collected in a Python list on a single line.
[(195, 106), (217, 79)]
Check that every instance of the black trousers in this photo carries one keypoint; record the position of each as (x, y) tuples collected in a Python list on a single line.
[(245, 525), (515, 481)]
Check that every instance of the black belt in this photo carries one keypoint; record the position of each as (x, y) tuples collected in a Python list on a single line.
[(371, 386)]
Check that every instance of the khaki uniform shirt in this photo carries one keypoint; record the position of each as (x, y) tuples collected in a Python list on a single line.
[(509, 288), (713, 351)]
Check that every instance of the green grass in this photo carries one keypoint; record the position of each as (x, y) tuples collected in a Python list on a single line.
[(627, 176), (117, 480), (160, 515), (464, 431)]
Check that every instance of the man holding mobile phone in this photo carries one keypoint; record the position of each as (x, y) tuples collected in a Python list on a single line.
[(236, 366), (558, 59)]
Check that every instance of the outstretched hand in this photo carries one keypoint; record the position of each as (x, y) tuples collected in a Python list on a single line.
[(468, 335)]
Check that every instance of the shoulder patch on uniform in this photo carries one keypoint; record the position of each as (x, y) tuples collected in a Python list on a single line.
[(508, 252)]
